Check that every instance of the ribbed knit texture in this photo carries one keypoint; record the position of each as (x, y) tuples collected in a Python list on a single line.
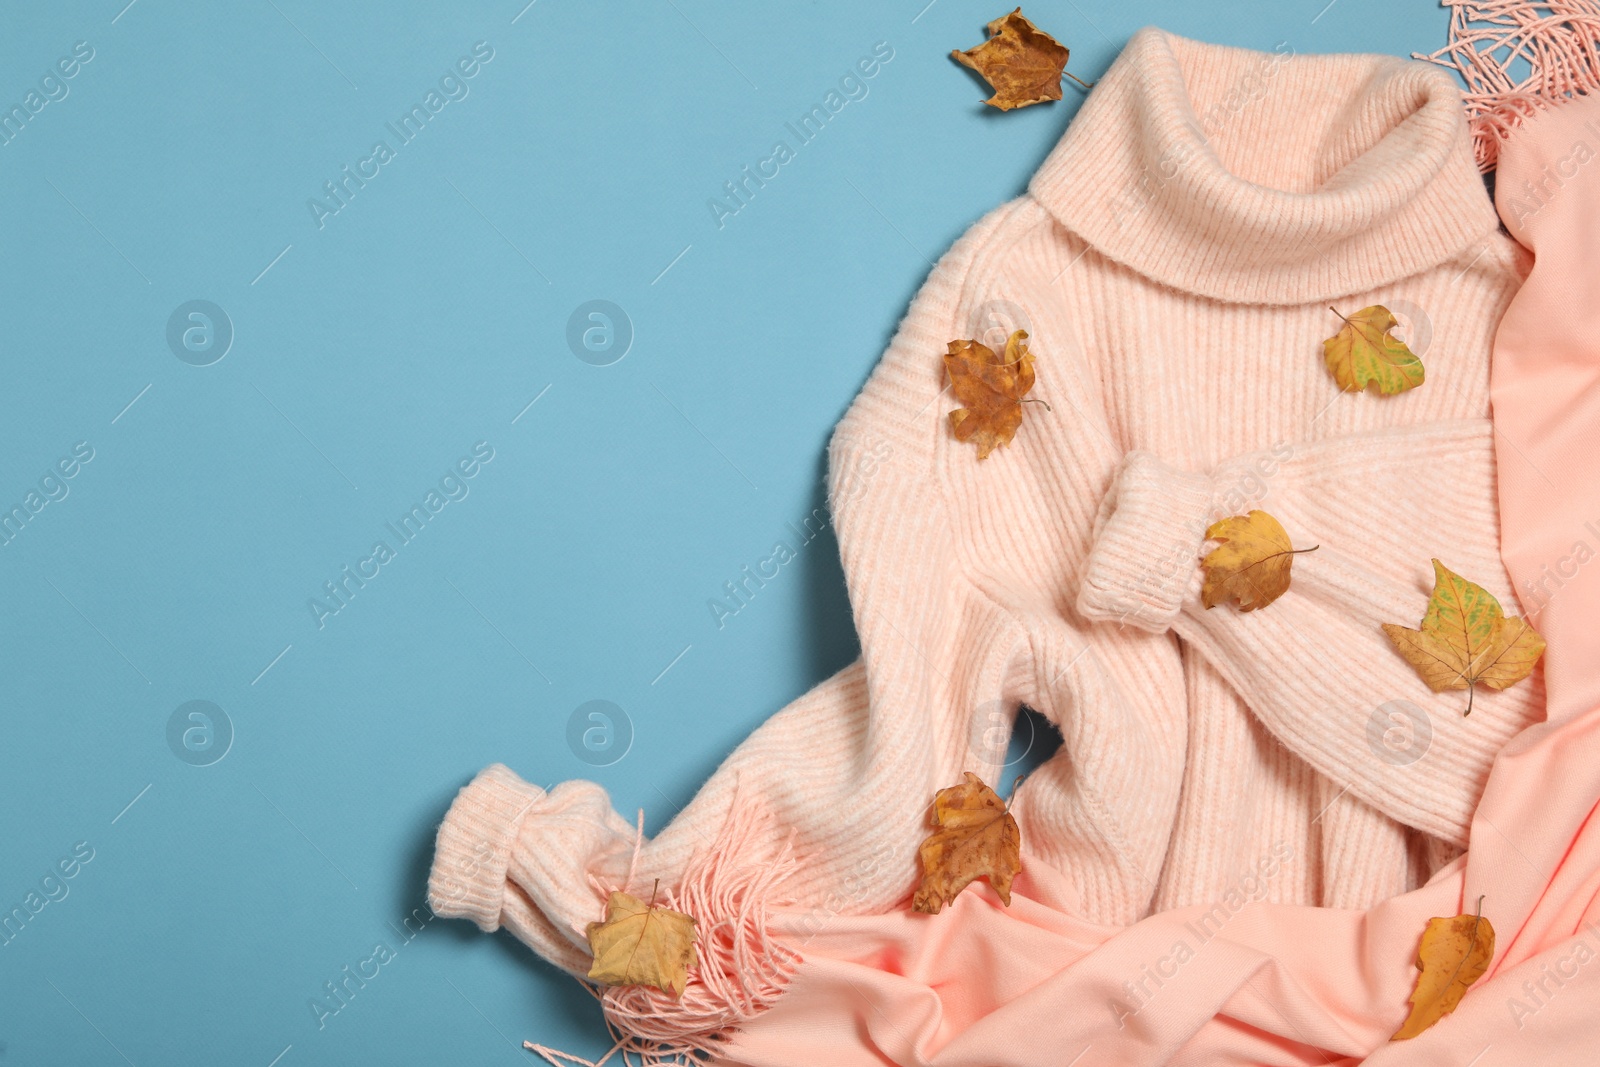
[(1174, 261)]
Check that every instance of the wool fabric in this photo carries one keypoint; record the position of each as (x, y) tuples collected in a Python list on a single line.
[(1240, 981), (1175, 261)]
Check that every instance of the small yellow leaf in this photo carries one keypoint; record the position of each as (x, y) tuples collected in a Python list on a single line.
[(1466, 638), (992, 389), (640, 944), (976, 837), (1454, 953), (1251, 563), (1021, 62), (1364, 351)]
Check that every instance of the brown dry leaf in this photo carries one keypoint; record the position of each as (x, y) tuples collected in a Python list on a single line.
[(1021, 63), (640, 944), (1454, 953), (1365, 351), (992, 389), (1465, 639), (976, 838), (1251, 562)]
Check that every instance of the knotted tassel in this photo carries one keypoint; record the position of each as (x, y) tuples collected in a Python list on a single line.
[(1558, 42), (742, 968)]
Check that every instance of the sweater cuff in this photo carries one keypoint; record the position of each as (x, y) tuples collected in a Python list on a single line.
[(473, 850), (1143, 563)]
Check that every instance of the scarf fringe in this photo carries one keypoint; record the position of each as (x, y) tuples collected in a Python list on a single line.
[(742, 967), (1559, 40)]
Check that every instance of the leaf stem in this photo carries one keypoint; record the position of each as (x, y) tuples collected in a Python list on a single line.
[(1297, 551), (1074, 77), (1477, 923), (1031, 400)]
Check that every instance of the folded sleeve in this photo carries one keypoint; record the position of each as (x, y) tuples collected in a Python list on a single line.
[(541, 863), (1315, 666)]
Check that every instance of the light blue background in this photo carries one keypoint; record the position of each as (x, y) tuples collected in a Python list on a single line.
[(369, 356)]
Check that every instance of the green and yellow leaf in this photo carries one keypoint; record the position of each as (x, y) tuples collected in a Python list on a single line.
[(1466, 638), (1364, 351)]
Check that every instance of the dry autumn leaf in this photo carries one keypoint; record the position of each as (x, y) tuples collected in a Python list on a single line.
[(1364, 351), (1466, 639), (976, 838), (1454, 953), (641, 944), (1021, 63), (1251, 562), (991, 387)]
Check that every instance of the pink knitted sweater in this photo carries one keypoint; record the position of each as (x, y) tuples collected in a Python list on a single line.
[(1174, 260)]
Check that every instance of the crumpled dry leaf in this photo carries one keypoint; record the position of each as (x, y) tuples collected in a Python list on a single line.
[(1251, 562), (1021, 63), (1465, 639), (976, 838), (992, 389), (1365, 351), (640, 944), (1454, 953)]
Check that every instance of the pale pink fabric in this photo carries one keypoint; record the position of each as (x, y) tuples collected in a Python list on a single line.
[(984, 986), (1174, 260)]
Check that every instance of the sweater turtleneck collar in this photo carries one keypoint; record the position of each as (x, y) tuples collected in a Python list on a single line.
[(1266, 177)]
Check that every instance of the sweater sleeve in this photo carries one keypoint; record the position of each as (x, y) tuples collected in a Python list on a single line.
[(541, 863), (840, 779), (1315, 665)]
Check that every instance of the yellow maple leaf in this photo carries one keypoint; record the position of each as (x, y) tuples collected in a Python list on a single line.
[(1466, 639), (1364, 351), (641, 944), (1454, 952), (1251, 562), (976, 837), (991, 387), (1021, 63)]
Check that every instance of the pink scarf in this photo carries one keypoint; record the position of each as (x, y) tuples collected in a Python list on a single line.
[(985, 986)]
